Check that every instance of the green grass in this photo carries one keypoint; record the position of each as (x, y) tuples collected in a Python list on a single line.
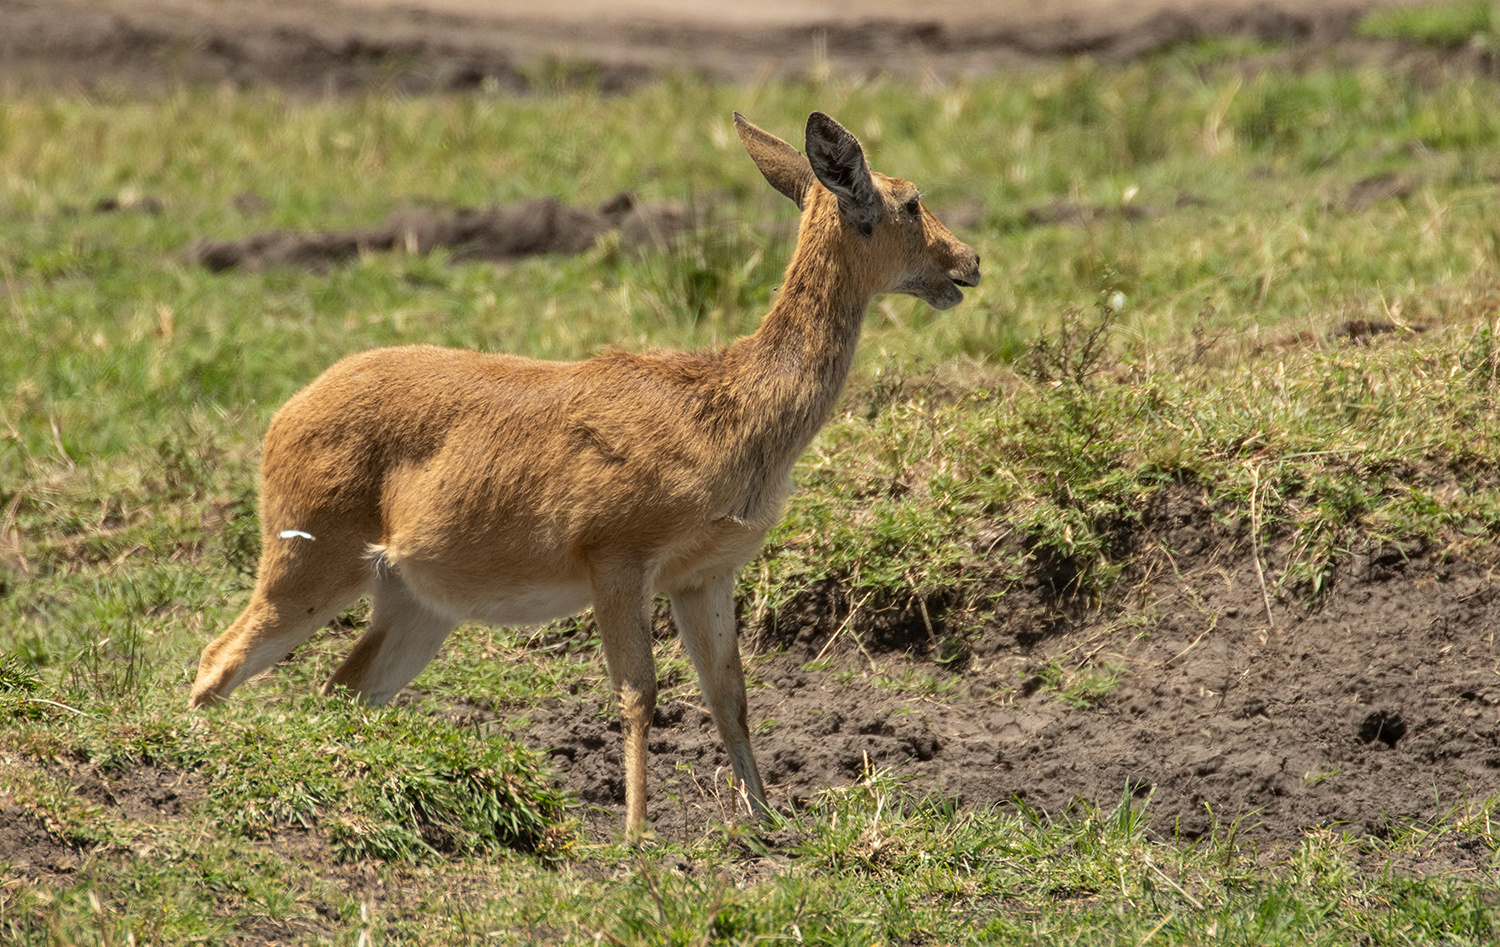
[(377, 783), (866, 865), (1436, 24), (1180, 338)]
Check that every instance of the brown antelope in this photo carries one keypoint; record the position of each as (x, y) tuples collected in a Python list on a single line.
[(454, 485)]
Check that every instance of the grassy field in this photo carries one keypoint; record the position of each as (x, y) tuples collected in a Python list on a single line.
[(1276, 284)]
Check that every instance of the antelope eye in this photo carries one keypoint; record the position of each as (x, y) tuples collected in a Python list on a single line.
[(914, 206)]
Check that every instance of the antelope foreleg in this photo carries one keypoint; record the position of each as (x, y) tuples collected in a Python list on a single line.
[(705, 619)]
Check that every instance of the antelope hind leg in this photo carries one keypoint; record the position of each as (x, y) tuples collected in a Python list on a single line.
[(405, 635), (297, 591), (620, 609)]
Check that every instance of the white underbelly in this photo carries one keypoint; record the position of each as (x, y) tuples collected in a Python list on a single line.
[(490, 602), (529, 606)]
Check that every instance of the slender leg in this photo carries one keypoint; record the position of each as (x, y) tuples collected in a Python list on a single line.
[(620, 608), (705, 619), (404, 636), (299, 588)]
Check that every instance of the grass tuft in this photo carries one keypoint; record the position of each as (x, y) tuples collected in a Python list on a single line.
[(388, 784)]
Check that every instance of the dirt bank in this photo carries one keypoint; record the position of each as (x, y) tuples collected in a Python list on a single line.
[(1381, 703)]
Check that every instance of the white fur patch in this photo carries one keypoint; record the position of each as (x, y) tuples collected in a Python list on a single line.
[(295, 534)]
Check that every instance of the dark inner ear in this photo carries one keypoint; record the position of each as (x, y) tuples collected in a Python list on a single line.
[(839, 163), (846, 179)]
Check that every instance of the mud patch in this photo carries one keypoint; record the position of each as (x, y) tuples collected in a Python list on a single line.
[(1380, 187), (31, 850), (540, 226), (1382, 705), (144, 795), (1071, 214)]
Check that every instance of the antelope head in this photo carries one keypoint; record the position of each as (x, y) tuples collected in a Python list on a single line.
[(884, 216)]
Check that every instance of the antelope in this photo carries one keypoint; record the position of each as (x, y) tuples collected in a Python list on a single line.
[(456, 486)]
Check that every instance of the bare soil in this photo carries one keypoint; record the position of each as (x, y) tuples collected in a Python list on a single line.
[(147, 794), (1381, 704), (542, 225)]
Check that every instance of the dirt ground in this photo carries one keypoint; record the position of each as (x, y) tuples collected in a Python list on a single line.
[(1381, 704), (541, 225)]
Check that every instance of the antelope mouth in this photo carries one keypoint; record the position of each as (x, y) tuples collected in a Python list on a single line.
[(941, 292), (955, 292)]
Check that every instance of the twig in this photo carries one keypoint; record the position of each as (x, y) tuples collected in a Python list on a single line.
[(847, 623), (57, 441), (53, 703), (1157, 929), (15, 297), (1265, 594), (927, 620), (714, 908), (1180, 890), (644, 869), (1212, 624), (10, 537)]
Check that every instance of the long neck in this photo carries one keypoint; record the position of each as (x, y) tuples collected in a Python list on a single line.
[(788, 376)]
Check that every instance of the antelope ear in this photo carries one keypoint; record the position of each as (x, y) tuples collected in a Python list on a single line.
[(781, 164), (839, 163)]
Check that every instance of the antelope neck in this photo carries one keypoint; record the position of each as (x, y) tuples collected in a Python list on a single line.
[(792, 370)]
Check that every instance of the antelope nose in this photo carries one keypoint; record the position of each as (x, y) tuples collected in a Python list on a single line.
[(969, 275)]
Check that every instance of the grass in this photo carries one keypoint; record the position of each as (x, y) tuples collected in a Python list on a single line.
[(1436, 24), (864, 865), (1172, 247), (377, 783)]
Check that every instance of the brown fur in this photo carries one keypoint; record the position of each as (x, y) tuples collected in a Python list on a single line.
[(454, 485)]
